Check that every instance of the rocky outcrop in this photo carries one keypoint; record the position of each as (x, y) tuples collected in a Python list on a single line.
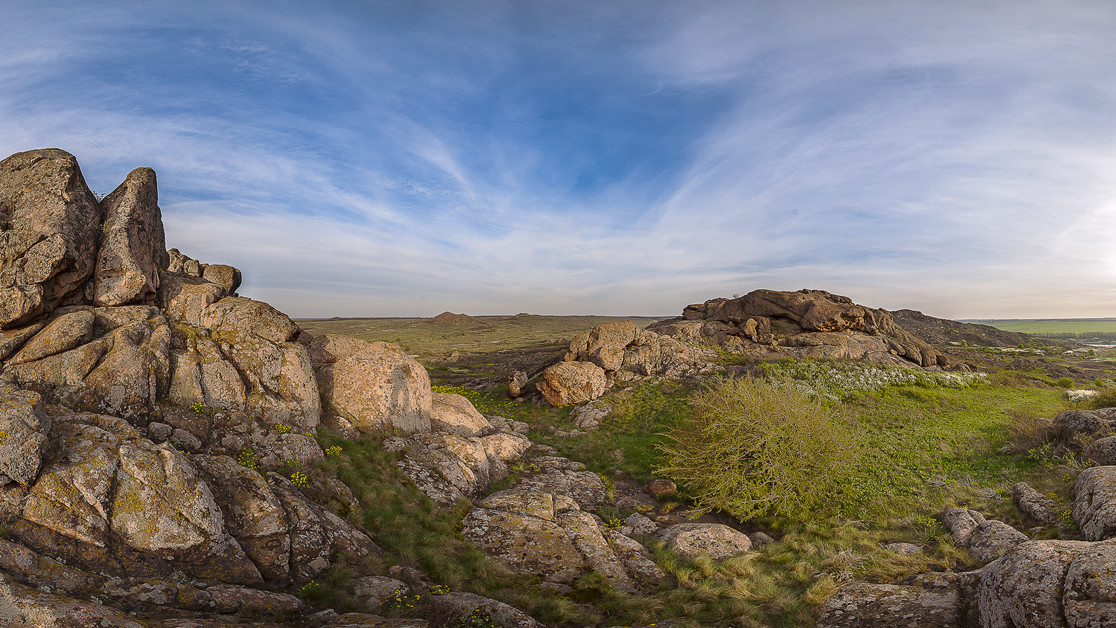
[(50, 226), (807, 323), (612, 352), (1094, 503), (143, 404), (370, 386), (133, 250), (534, 532), (447, 467)]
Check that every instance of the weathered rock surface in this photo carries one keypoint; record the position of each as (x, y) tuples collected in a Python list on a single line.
[(133, 250), (867, 605), (1075, 425), (1102, 451), (456, 415), (459, 607), (715, 540), (112, 359), (806, 323), (534, 532), (371, 386), (1033, 503), (986, 539), (1094, 503), (23, 435), (447, 468), (566, 383), (51, 225)]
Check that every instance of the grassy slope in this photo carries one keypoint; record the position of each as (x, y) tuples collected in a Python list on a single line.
[(1055, 325), (925, 447)]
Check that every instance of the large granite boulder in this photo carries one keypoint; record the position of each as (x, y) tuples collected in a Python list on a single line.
[(237, 353), (567, 383), (1094, 503), (455, 414), (715, 540), (133, 250), (371, 386), (50, 226)]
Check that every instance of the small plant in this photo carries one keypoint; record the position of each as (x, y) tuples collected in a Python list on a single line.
[(401, 601), (200, 408), (290, 465), (333, 451), (282, 429), (1064, 382), (299, 479), (477, 618), (308, 587), (3, 436), (614, 523), (247, 458), (439, 589)]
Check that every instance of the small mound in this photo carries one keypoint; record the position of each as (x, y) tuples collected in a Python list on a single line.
[(449, 318)]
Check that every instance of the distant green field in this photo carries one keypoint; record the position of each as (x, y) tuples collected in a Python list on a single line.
[(1059, 326)]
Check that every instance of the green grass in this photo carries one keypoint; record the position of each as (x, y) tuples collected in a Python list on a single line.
[(1054, 325)]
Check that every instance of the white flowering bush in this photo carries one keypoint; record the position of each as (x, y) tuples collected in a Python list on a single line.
[(833, 380)]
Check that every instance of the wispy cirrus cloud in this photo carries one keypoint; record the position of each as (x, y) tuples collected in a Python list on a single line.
[(406, 158)]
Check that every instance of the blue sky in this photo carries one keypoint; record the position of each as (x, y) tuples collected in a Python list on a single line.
[(374, 158)]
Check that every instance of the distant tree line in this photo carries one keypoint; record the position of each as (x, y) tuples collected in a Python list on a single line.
[(1084, 335)]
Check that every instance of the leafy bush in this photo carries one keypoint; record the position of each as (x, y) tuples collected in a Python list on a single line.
[(753, 447), (1105, 398)]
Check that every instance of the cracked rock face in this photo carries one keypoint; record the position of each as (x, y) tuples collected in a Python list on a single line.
[(533, 532), (50, 226), (133, 250)]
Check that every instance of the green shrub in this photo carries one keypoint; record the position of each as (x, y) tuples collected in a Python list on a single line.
[(1105, 398), (1064, 382), (753, 447)]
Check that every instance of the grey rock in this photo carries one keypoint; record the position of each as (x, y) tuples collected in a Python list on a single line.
[(1033, 503), (133, 250), (1102, 451), (715, 540), (866, 605), (1094, 503)]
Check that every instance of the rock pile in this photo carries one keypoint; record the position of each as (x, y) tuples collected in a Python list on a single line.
[(145, 409), (807, 324)]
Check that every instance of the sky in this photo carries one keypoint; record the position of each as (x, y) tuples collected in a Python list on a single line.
[(404, 158)]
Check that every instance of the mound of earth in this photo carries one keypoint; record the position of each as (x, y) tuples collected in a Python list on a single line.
[(449, 318), (942, 331)]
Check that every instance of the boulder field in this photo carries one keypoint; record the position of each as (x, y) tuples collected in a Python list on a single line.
[(762, 323)]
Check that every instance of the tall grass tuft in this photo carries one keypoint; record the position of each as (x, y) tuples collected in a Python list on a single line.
[(753, 447)]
